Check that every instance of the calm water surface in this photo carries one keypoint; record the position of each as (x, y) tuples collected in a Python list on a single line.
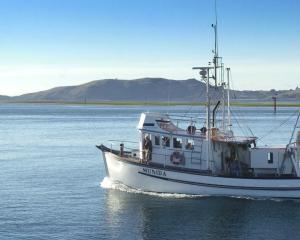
[(51, 176)]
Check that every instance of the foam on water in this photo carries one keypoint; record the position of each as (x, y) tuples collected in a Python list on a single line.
[(107, 183)]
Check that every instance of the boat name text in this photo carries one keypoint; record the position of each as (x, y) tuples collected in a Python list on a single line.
[(155, 172)]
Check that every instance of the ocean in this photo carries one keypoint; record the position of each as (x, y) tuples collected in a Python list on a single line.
[(53, 183)]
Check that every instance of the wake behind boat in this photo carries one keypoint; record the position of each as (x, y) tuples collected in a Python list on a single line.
[(183, 156)]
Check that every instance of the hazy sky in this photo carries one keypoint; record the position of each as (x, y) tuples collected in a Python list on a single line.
[(48, 43)]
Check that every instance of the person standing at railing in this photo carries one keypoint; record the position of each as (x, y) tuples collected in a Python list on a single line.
[(121, 149), (148, 148)]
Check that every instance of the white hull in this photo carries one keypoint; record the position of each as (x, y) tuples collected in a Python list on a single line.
[(147, 178)]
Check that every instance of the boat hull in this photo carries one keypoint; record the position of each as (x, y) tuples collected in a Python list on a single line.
[(153, 179)]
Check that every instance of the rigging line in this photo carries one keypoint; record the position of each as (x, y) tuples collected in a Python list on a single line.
[(190, 107), (250, 131), (295, 126), (231, 92), (194, 98), (239, 112), (240, 115), (217, 93), (281, 124), (238, 123)]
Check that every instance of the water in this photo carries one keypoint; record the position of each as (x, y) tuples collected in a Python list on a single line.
[(53, 182)]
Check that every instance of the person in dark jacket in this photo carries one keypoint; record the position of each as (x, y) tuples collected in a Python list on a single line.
[(148, 148)]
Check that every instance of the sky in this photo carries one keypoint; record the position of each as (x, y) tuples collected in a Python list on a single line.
[(49, 43)]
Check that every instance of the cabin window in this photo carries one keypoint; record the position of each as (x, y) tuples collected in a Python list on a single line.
[(165, 141), (177, 143), (156, 140), (189, 144), (270, 157)]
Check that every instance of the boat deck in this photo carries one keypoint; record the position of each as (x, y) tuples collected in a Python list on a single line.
[(127, 157)]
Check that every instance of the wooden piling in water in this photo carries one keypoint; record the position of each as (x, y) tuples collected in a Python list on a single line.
[(274, 104)]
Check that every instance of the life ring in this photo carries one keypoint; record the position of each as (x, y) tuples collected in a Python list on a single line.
[(191, 129), (177, 158)]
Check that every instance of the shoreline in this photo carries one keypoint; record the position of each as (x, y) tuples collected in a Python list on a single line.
[(154, 103)]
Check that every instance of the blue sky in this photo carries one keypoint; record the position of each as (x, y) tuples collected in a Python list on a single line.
[(48, 43)]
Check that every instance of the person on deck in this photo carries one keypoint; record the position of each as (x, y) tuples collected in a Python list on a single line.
[(148, 148)]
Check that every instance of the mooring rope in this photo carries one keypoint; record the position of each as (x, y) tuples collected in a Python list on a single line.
[(281, 124)]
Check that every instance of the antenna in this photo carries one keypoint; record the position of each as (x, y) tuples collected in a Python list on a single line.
[(216, 56), (216, 30)]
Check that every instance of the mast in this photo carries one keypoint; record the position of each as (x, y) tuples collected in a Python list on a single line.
[(223, 97), (208, 132), (228, 100), (205, 74)]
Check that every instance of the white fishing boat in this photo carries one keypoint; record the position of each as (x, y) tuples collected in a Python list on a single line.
[(209, 160)]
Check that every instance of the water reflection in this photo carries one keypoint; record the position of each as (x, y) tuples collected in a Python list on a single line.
[(141, 216)]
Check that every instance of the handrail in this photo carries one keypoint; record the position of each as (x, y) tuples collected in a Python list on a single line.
[(121, 141), (292, 144), (160, 154)]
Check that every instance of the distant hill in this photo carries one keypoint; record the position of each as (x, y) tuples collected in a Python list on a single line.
[(3, 97), (146, 89), (267, 95)]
